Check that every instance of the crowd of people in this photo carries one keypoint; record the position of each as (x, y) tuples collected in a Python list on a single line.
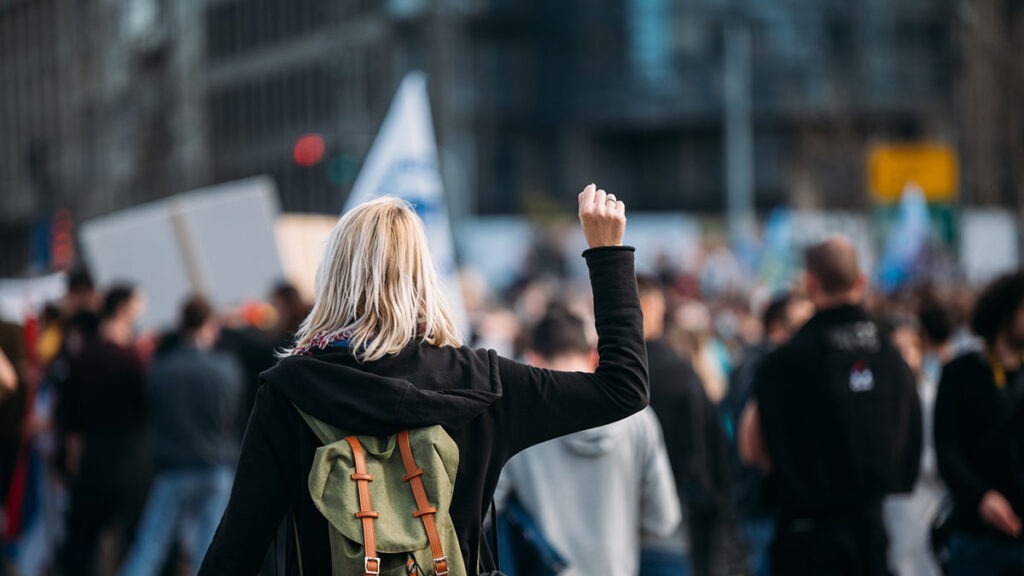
[(825, 429), (121, 446)]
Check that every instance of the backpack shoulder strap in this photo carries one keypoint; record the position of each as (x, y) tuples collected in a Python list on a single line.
[(425, 511), (371, 562)]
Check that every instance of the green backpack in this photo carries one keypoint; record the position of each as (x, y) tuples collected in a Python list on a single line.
[(386, 501)]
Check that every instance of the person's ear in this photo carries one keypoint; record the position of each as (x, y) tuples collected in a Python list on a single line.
[(534, 359), (809, 284), (593, 360), (861, 286)]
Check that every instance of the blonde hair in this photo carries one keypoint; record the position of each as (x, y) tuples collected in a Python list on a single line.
[(377, 285)]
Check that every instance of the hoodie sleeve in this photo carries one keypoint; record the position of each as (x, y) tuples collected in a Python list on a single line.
[(539, 404), (258, 501)]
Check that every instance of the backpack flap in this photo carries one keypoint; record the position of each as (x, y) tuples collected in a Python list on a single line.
[(396, 529)]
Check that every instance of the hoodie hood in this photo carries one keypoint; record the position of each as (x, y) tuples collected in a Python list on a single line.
[(593, 442), (421, 386)]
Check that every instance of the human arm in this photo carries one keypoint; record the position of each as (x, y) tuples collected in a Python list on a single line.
[(967, 486), (997, 511), (541, 404), (750, 439)]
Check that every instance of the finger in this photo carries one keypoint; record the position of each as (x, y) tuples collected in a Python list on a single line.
[(612, 197), (620, 208), (587, 196), (599, 198)]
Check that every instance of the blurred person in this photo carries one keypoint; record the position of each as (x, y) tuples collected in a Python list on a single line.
[(908, 517), (962, 306), (80, 318), (102, 409), (497, 329), (979, 436), (254, 349), (755, 505), (836, 419), (193, 399), (380, 353), (291, 310), (534, 297), (721, 272), (696, 339), (693, 438), (782, 317), (79, 323), (594, 494), (12, 400), (253, 335), (936, 322), (51, 334), (8, 376)]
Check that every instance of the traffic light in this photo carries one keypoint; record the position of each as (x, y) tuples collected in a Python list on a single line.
[(308, 150), (62, 240)]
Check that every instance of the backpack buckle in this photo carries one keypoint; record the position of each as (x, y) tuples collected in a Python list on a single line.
[(441, 566), (366, 565)]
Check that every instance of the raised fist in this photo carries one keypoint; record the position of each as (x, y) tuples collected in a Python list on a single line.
[(603, 217)]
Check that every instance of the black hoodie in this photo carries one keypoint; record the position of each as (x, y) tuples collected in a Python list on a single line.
[(491, 406)]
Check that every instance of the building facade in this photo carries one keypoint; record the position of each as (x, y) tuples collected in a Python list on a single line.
[(109, 103)]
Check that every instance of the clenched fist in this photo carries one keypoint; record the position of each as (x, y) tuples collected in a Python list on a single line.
[(603, 217)]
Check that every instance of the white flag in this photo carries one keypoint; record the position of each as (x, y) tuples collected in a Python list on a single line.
[(403, 162)]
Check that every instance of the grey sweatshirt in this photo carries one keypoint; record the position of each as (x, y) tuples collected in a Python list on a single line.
[(595, 493)]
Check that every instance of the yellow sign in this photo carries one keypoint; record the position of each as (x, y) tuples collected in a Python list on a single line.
[(932, 166)]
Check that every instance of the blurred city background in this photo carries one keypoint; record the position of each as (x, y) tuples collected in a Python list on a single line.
[(677, 105), (208, 147)]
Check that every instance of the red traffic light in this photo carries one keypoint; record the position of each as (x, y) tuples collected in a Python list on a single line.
[(309, 150)]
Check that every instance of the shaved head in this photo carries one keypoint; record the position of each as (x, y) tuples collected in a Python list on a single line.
[(833, 263)]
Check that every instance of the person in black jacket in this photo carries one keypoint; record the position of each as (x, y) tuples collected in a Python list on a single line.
[(836, 419), (379, 353), (102, 409), (979, 437), (753, 491), (690, 426)]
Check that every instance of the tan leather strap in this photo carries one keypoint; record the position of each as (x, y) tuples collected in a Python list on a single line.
[(371, 563), (425, 512)]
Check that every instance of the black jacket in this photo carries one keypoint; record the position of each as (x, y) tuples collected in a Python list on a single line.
[(689, 421), (492, 407), (979, 438), (840, 417)]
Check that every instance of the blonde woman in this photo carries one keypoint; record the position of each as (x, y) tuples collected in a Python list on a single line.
[(380, 353)]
